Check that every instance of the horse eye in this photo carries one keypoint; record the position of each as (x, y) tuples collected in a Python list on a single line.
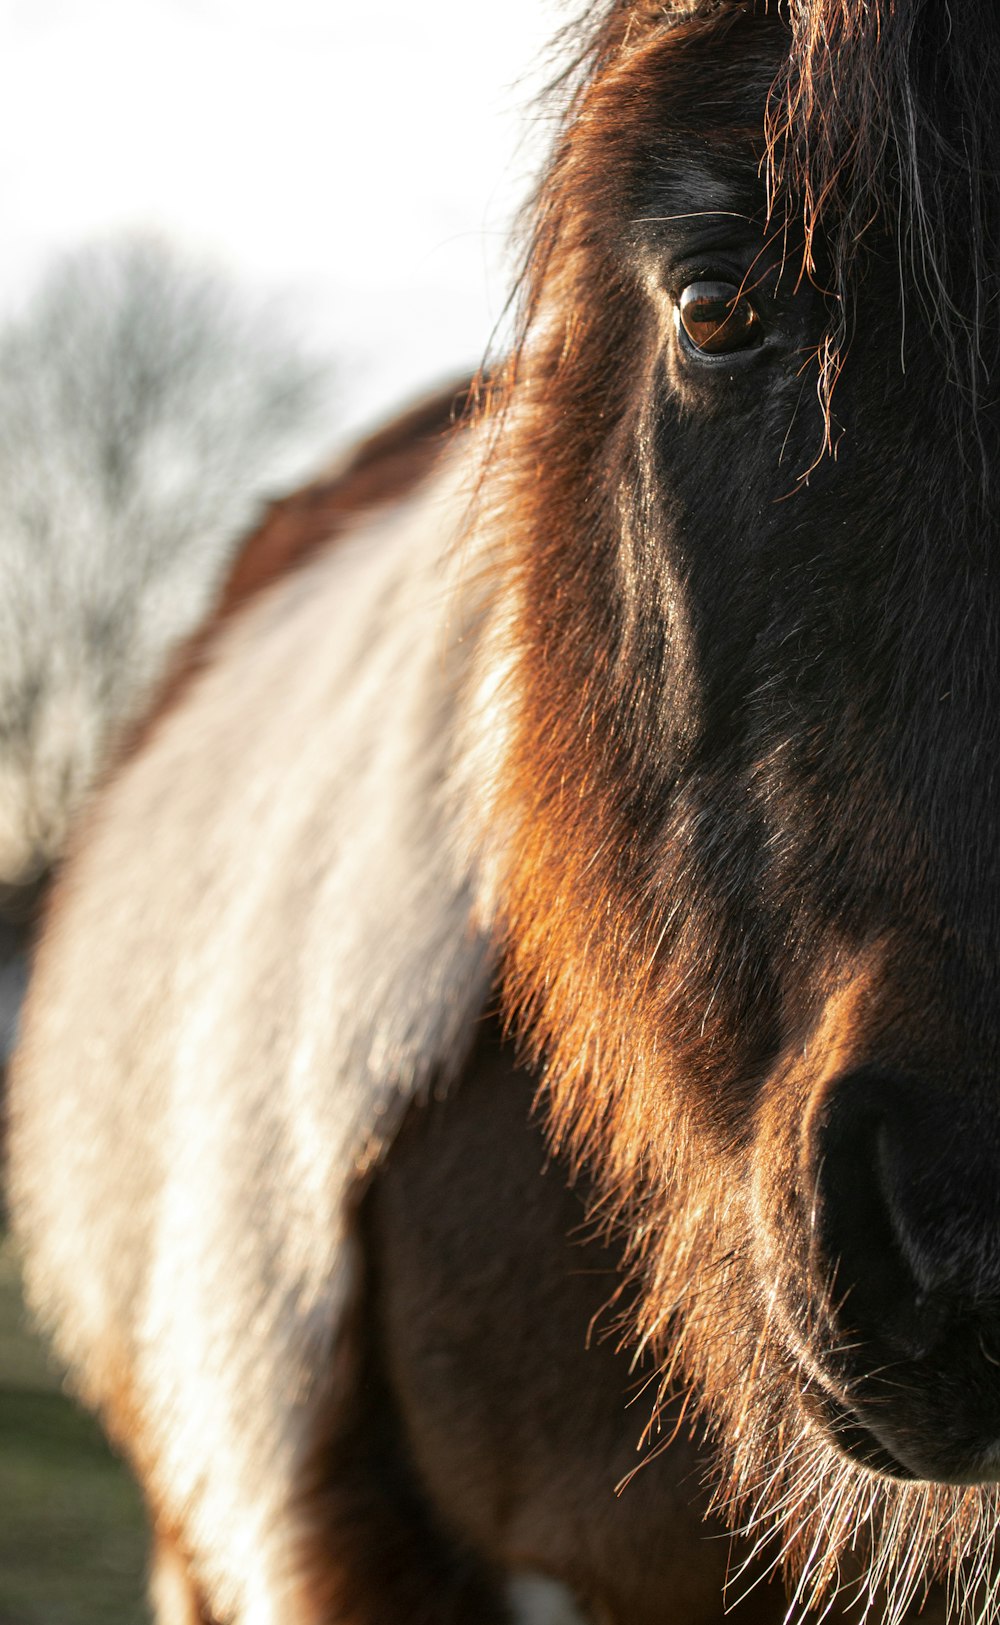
[(716, 317)]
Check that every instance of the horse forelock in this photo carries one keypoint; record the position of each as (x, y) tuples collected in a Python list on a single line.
[(884, 114)]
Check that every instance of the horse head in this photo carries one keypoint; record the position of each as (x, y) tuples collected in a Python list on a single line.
[(753, 911)]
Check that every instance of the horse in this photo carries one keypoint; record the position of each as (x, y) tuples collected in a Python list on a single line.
[(150, 412), (521, 1023)]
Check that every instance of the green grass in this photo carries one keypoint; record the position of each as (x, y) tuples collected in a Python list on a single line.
[(72, 1533)]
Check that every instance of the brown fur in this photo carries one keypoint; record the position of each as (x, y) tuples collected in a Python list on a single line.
[(722, 894), (524, 1411), (493, 1431), (638, 1005)]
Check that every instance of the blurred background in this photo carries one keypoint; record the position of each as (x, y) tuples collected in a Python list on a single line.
[(364, 164), (366, 160)]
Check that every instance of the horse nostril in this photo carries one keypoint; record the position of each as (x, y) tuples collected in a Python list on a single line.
[(905, 1252), (862, 1249), (908, 1219)]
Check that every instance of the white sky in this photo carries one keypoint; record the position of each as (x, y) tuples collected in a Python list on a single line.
[(365, 157)]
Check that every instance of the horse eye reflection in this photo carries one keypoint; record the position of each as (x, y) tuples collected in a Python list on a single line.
[(716, 318)]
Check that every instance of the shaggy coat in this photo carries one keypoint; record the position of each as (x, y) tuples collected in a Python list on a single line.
[(662, 709)]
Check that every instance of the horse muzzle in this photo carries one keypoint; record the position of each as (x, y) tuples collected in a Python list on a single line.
[(877, 1201), (902, 1215)]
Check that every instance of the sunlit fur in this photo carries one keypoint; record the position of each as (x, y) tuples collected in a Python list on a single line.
[(635, 969), (622, 699)]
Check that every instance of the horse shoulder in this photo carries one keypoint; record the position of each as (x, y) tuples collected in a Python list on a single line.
[(263, 948)]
